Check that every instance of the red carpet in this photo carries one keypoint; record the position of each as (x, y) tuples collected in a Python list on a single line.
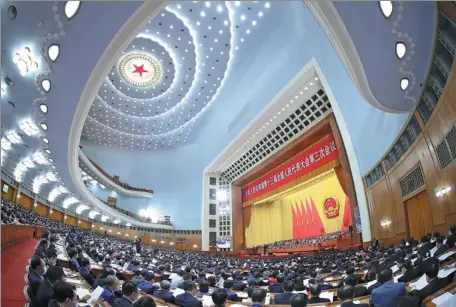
[(14, 260)]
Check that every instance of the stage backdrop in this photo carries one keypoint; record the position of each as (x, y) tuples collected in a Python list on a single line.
[(319, 206)]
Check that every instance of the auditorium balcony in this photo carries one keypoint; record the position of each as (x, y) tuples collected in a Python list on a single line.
[(92, 171)]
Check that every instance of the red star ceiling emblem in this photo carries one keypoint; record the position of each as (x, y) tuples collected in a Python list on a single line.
[(139, 69)]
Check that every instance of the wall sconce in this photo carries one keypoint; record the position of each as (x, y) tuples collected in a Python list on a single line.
[(50, 211), (162, 242), (195, 246), (25, 61), (79, 222), (442, 192), (171, 243), (385, 223), (65, 217), (35, 205), (18, 195)]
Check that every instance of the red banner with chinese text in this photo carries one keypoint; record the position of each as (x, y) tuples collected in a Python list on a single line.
[(319, 154)]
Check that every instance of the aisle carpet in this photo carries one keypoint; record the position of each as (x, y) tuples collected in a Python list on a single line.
[(14, 260)]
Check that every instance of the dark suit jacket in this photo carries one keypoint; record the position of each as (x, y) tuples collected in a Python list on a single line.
[(35, 281), (187, 300), (45, 294), (123, 302), (239, 286), (276, 288), (441, 250), (231, 296), (409, 275), (361, 291), (435, 285), (88, 276), (165, 296), (148, 287), (451, 240), (283, 298), (326, 287), (351, 304), (315, 299)]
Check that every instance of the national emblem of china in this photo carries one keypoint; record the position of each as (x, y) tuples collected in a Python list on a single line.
[(140, 69), (331, 206)]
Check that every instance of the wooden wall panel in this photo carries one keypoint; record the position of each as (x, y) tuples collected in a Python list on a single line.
[(238, 219), (443, 210), (56, 215), (382, 209), (25, 201), (9, 195), (85, 224), (41, 209), (71, 220)]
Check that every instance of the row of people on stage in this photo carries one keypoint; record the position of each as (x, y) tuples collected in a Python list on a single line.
[(303, 242)]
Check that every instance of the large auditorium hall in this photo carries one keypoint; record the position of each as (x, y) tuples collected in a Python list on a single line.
[(228, 153)]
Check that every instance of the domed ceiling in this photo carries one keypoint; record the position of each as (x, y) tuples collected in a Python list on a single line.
[(170, 73)]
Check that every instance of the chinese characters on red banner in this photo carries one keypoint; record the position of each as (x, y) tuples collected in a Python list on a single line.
[(305, 162)]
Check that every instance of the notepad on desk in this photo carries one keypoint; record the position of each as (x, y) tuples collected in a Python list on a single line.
[(442, 298), (82, 292), (396, 278), (394, 268), (95, 294), (420, 283), (445, 273), (328, 295), (370, 283), (446, 255)]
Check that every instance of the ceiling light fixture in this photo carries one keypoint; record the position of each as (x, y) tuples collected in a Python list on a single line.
[(401, 48), (404, 83), (46, 140), (44, 126), (25, 61), (28, 127), (71, 8), (386, 7), (46, 85), (54, 52), (44, 108), (13, 137), (48, 151)]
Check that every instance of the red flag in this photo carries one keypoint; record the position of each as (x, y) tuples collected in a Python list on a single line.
[(312, 230), (317, 223), (347, 219), (305, 220), (299, 219), (293, 212)]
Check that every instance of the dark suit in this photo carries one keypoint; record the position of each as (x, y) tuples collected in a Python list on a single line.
[(45, 294), (435, 285), (108, 295), (276, 288), (326, 287), (187, 300), (239, 286), (123, 302), (283, 298), (165, 296), (361, 291), (35, 281), (316, 299), (451, 240), (351, 304), (441, 250), (409, 275), (99, 282), (388, 294), (88, 276)]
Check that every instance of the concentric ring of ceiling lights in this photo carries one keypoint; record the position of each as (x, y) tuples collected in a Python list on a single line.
[(193, 43), (140, 69)]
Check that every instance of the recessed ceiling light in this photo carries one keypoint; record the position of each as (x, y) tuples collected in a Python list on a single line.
[(404, 83), (401, 48), (51, 160), (46, 85), (43, 108), (46, 140), (267, 5), (53, 52), (219, 8), (71, 8), (44, 126), (237, 3), (386, 7)]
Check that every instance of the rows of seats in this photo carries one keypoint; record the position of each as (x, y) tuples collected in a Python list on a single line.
[(131, 275)]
